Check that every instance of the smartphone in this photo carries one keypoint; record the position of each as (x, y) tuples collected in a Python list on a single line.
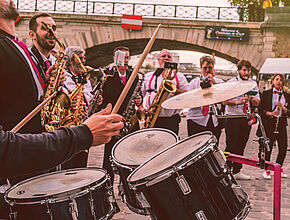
[(252, 92)]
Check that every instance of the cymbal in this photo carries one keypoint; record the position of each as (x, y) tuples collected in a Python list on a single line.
[(214, 94)]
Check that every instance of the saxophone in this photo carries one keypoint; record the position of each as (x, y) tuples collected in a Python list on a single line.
[(97, 91), (53, 111), (130, 115), (78, 116), (166, 87)]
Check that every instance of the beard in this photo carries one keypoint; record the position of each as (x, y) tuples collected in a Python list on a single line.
[(42, 42), (9, 11), (77, 68)]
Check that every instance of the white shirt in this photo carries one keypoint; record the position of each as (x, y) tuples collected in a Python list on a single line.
[(195, 114), (148, 96), (275, 99), (239, 109), (70, 84)]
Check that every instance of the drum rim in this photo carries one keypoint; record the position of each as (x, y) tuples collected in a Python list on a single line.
[(128, 166), (169, 170), (51, 198)]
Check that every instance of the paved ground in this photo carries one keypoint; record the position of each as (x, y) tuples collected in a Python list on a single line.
[(260, 191)]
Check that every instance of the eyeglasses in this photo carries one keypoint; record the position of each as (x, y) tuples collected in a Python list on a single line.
[(128, 58), (82, 58), (165, 55)]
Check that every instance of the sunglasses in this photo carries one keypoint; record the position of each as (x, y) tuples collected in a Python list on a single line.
[(166, 56), (53, 27)]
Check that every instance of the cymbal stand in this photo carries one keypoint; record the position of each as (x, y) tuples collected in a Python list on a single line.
[(263, 140)]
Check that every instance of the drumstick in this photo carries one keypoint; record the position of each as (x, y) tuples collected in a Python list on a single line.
[(135, 71), (32, 114)]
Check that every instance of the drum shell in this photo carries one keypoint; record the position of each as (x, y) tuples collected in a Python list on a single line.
[(34, 209), (124, 169), (211, 191), (129, 194)]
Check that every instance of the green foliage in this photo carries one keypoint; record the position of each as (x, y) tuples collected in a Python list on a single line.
[(148, 67), (246, 2)]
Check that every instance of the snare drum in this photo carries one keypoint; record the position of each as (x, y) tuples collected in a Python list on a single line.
[(134, 149), (189, 180), (82, 194)]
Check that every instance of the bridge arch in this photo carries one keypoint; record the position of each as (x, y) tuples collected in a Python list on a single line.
[(101, 55)]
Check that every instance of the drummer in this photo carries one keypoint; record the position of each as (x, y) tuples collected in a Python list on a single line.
[(201, 118), (28, 153)]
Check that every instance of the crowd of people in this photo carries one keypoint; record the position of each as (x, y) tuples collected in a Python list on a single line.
[(32, 151), (254, 10)]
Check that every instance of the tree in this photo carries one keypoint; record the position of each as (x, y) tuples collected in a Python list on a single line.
[(246, 2)]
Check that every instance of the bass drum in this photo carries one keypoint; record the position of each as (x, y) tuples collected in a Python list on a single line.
[(189, 180), (134, 149), (75, 194)]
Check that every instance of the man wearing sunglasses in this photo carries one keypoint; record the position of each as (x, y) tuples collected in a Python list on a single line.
[(167, 118), (43, 42)]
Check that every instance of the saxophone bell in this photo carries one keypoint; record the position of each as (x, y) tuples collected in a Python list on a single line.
[(169, 86)]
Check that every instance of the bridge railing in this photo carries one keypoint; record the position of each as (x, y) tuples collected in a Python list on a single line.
[(118, 8)]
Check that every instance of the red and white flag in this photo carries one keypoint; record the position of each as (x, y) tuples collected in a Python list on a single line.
[(132, 22)]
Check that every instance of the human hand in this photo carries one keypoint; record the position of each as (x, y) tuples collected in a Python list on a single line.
[(100, 100), (138, 100), (104, 125), (52, 71)]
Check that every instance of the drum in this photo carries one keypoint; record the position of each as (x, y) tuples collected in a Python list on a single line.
[(82, 194), (134, 149), (189, 180)]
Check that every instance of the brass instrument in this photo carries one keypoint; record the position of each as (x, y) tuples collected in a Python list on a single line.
[(78, 116), (130, 115), (166, 87), (54, 110), (280, 113), (97, 91)]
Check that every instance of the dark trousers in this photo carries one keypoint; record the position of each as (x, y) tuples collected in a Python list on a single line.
[(4, 208), (194, 128), (237, 135), (79, 160), (281, 138), (170, 123), (107, 164)]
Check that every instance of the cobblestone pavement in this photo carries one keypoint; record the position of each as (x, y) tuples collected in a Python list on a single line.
[(260, 191)]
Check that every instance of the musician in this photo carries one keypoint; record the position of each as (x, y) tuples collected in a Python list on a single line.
[(42, 41), (47, 150), (74, 70), (201, 119), (274, 109), (167, 118), (111, 91), (238, 129)]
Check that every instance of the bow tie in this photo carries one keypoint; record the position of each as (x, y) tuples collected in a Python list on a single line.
[(276, 92)]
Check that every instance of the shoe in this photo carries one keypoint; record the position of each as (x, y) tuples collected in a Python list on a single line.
[(283, 175), (241, 176), (267, 175)]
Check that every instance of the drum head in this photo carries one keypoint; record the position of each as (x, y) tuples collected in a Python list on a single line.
[(56, 184), (139, 146), (169, 157)]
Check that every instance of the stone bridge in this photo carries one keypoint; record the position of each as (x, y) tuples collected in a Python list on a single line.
[(100, 34)]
